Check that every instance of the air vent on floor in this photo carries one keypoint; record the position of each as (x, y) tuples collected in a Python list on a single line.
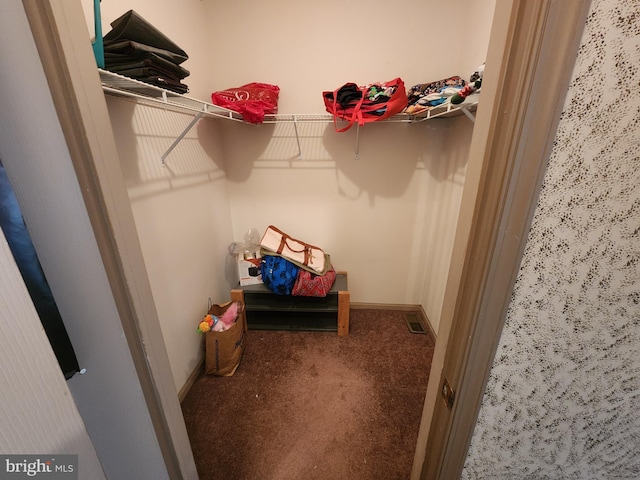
[(414, 323)]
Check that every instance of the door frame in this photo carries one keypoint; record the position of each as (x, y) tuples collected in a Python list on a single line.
[(74, 83), (530, 61), (529, 64)]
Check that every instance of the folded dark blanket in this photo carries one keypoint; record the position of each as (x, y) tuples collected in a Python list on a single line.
[(164, 82), (117, 62), (132, 27), (135, 50), (143, 72)]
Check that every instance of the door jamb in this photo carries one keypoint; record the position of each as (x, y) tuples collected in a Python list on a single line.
[(84, 119), (531, 56)]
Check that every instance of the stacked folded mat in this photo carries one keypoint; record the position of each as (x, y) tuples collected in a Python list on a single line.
[(136, 49)]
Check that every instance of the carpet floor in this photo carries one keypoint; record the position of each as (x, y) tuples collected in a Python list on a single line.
[(312, 405)]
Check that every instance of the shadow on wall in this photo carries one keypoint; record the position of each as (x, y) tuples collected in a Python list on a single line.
[(388, 154), (144, 134), (382, 158), (240, 146), (450, 166)]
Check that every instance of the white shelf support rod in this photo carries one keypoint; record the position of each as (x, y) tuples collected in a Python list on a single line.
[(295, 127), (181, 136), (469, 115), (357, 155)]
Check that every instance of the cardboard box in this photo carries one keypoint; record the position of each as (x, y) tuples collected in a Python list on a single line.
[(249, 271)]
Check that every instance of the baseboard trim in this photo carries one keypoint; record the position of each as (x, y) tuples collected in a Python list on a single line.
[(191, 380), (426, 322), (384, 306)]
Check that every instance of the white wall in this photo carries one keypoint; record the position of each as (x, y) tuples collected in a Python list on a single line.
[(308, 47), (387, 218)]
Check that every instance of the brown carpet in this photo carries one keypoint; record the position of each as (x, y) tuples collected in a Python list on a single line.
[(312, 405)]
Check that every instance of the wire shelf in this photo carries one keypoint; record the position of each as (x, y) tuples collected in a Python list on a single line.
[(151, 95)]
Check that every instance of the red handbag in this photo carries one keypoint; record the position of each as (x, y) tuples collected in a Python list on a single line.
[(252, 100), (371, 103), (311, 285)]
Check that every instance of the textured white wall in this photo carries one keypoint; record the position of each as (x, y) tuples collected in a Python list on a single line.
[(562, 399)]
